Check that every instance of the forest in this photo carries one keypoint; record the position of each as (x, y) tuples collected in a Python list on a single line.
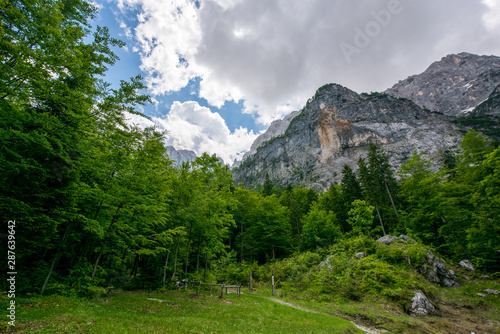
[(97, 203)]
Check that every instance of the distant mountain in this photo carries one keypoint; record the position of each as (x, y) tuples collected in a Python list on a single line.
[(180, 156), (428, 112)]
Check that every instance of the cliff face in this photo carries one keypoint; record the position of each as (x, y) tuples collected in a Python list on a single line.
[(335, 128), (455, 85)]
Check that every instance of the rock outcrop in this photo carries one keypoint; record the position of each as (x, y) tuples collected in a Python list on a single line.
[(435, 271), (467, 265), (389, 239)]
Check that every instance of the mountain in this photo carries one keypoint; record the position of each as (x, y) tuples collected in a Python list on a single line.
[(180, 156), (425, 112), (277, 128), (455, 85)]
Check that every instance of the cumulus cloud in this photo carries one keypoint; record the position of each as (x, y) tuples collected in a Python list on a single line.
[(492, 17), (275, 54), (193, 127)]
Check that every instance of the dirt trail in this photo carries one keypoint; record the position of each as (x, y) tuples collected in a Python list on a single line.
[(363, 328)]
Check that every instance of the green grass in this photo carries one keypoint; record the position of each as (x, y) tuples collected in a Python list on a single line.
[(178, 312)]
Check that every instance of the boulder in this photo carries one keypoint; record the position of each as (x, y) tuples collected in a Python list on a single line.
[(387, 239), (421, 306), (485, 277), (467, 265), (360, 255)]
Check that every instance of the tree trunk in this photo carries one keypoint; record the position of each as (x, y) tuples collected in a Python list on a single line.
[(113, 221), (380, 219), (242, 242), (206, 265), (166, 263), (175, 259), (56, 258), (392, 202), (198, 255), (134, 268)]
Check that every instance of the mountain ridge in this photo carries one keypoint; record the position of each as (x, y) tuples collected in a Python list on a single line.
[(336, 126)]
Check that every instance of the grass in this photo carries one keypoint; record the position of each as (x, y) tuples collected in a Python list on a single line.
[(461, 311), (167, 312)]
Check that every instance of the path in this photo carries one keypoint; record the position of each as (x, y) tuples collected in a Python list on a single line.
[(363, 328)]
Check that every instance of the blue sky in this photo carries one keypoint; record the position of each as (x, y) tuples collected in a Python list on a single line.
[(220, 71)]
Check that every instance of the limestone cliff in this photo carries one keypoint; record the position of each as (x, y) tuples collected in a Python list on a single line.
[(336, 127)]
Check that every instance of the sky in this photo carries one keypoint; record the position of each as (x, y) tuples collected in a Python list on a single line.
[(220, 71)]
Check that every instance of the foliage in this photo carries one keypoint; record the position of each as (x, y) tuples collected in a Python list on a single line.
[(360, 218)]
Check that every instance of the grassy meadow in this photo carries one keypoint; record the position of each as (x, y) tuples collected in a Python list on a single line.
[(168, 312)]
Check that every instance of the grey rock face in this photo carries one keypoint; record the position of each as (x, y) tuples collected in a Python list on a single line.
[(436, 272), (335, 128), (455, 85), (421, 306), (467, 265), (180, 156)]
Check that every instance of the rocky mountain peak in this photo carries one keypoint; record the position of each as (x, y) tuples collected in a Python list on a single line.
[(454, 85)]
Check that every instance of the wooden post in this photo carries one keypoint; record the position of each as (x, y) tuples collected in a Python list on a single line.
[(272, 280), (198, 290), (226, 288), (222, 291), (211, 285), (250, 289)]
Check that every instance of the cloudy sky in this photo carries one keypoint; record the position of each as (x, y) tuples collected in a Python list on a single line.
[(219, 71)]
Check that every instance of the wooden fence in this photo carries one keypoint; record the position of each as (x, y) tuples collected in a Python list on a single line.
[(222, 286)]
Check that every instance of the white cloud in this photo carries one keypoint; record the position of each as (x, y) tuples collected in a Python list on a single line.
[(140, 121), (275, 54), (492, 17), (193, 127)]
